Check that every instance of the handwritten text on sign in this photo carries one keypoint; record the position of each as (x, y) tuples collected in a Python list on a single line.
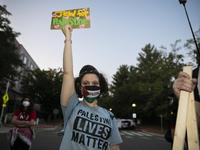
[(77, 18)]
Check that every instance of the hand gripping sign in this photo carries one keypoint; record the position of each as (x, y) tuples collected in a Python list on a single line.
[(186, 119), (77, 18)]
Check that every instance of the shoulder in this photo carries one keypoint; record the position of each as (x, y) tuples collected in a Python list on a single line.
[(33, 112), (17, 111), (112, 116)]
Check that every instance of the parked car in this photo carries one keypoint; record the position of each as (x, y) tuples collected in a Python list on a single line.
[(125, 123)]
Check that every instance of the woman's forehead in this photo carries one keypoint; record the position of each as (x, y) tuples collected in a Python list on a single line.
[(27, 99), (90, 77)]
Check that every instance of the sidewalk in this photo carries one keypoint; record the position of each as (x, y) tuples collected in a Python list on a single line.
[(48, 126)]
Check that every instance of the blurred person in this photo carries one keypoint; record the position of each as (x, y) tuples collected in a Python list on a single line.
[(138, 124), (86, 125), (23, 118)]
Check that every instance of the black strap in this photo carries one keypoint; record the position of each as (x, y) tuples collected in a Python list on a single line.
[(196, 91)]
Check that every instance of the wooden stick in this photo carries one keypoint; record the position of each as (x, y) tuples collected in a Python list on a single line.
[(181, 121), (192, 131)]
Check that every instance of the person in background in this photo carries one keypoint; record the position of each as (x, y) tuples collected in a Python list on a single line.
[(86, 125), (174, 109), (23, 118), (138, 124)]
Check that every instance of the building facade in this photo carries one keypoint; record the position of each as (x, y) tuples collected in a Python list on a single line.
[(15, 94)]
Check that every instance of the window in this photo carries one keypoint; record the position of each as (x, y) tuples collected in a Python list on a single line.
[(25, 60), (32, 67)]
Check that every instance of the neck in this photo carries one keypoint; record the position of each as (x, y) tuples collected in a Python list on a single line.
[(93, 104)]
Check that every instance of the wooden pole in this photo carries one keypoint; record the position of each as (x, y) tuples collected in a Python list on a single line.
[(192, 132), (186, 117)]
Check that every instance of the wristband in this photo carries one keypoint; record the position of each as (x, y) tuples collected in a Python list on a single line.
[(67, 40)]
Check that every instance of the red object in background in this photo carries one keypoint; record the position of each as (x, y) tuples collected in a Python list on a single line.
[(182, 1)]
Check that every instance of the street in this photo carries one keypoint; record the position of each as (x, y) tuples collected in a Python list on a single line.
[(133, 140), (48, 139)]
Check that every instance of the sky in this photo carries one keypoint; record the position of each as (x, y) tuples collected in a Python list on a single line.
[(119, 30)]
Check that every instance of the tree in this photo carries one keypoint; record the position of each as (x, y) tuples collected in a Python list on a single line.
[(44, 87), (191, 47), (149, 84), (9, 59), (157, 70), (122, 92)]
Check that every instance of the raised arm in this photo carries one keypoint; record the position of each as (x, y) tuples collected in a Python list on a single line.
[(68, 77)]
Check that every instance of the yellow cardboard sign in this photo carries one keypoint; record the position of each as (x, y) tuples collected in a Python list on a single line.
[(77, 18), (5, 98)]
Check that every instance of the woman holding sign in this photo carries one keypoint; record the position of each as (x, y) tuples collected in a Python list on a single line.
[(86, 125)]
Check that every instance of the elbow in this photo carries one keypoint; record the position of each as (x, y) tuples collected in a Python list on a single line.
[(12, 122), (33, 124)]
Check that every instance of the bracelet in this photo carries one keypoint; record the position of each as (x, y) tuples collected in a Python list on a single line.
[(67, 40)]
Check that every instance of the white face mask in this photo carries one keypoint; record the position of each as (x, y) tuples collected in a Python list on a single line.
[(26, 103)]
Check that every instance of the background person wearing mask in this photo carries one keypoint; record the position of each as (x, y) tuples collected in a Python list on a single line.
[(23, 118)]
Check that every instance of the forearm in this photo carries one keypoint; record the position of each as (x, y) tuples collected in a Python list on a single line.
[(115, 147), (67, 58), (172, 133), (18, 122), (26, 124)]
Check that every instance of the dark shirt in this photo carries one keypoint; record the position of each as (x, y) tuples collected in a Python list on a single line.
[(196, 92), (173, 120)]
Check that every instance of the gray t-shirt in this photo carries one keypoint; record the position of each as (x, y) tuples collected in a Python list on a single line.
[(88, 128)]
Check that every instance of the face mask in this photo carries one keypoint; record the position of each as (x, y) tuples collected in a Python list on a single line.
[(26, 103), (90, 93)]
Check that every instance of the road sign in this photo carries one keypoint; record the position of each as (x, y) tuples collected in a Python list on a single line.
[(134, 115), (55, 111), (5, 98), (4, 105)]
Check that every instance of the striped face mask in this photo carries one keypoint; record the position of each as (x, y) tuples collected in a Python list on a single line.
[(90, 93)]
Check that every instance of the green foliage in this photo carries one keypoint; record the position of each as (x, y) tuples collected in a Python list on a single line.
[(149, 85), (44, 87), (9, 59), (191, 47)]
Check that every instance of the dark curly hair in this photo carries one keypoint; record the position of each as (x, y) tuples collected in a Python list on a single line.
[(30, 107), (90, 69)]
